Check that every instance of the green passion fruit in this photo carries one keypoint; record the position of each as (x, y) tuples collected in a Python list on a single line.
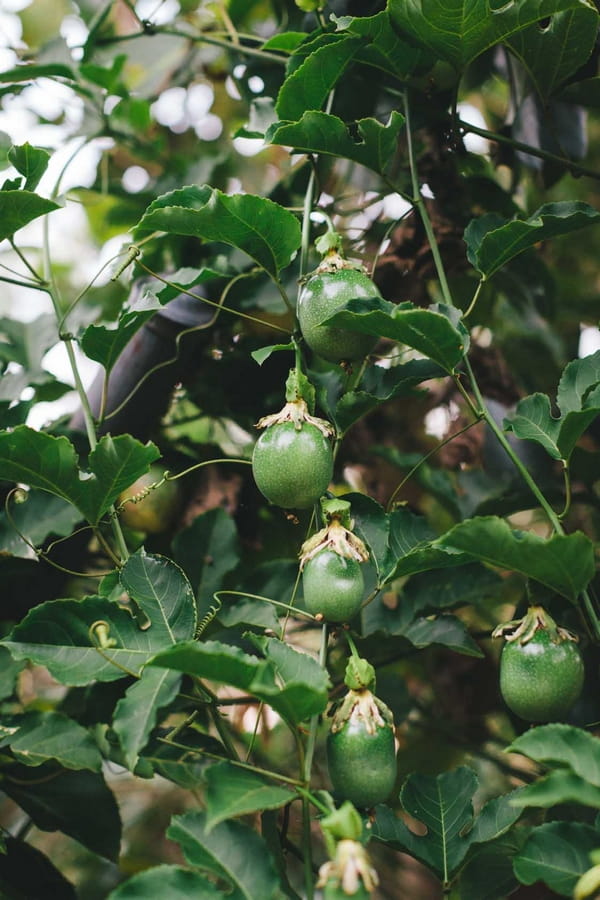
[(292, 466), (361, 753), (322, 295), (333, 586), (541, 679)]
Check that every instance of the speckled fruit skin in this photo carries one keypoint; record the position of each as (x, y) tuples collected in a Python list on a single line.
[(540, 680), (321, 296), (292, 468), (362, 766), (158, 510), (336, 892), (333, 586)]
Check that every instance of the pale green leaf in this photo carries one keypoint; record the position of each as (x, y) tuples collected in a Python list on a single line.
[(562, 745), (137, 711), (160, 588)]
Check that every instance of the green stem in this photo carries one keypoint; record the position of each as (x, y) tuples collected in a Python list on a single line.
[(352, 646), (574, 168), (308, 761), (567, 481), (419, 202), (473, 302)]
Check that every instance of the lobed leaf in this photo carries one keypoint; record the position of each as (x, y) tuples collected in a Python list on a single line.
[(267, 232)]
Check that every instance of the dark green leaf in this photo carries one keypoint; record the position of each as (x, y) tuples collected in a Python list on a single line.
[(137, 712), (557, 853), (559, 787), (303, 696), (584, 93), (564, 563), (172, 882), (562, 745), (18, 208), (493, 241), (430, 332), (552, 53), (384, 49), (9, 669), (533, 421), (372, 525), (413, 547), (231, 851), (36, 516), (444, 805), (185, 767), (50, 463), (458, 31), (105, 345), (207, 550), (31, 162), (37, 737), (160, 588), (488, 873), (57, 635), (309, 85), (60, 800), (447, 631), (267, 232), (366, 141), (232, 791), (26, 872)]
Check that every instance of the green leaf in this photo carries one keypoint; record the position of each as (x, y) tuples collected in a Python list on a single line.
[(105, 345), (384, 50), (488, 873), (459, 31), (533, 421), (57, 635), (61, 800), (18, 208), (172, 882), (446, 630), (559, 787), (9, 670), (578, 378), (231, 851), (137, 712), (562, 745), (309, 85), (443, 803), (26, 872), (232, 791), (584, 93), (37, 516), (579, 403), (31, 162), (372, 525), (185, 767), (207, 550), (262, 355), (36, 737), (413, 547), (554, 52), (304, 696), (50, 463), (267, 232), (378, 385), (557, 853), (430, 332), (564, 563), (492, 241), (31, 72), (161, 589), (366, 141)]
